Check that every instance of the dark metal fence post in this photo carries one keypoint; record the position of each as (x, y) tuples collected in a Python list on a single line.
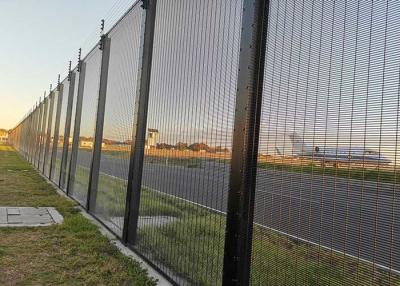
[(60, 90), (77, 127), (48, 134), (34, 134), (140, 122), (31, 133), (43, 132), (105, 46), (67, 130), (38, 135), (239, 222)]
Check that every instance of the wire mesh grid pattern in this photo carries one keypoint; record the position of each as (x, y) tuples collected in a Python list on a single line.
[(322, 150), (328, 145), (189, 134), (79, 180), (118, 120)]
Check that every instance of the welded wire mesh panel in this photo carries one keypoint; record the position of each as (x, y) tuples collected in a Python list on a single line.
[(79, 188), (118, 120), (188, 140), (53, 110), (326, 196), (64, 183), (61, 132), (43, 133)]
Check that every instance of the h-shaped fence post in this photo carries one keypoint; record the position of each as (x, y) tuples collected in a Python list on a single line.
[(139, 123), (240, 212), (105, 46), (67, 130), (77, 127), (48, 133), (60, 90)]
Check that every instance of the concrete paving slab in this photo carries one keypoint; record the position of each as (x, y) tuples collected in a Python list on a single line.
[(3, 216), (13, 211), (55, 215), (29, 216)]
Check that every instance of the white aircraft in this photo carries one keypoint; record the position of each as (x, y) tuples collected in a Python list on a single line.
[(336, 155)]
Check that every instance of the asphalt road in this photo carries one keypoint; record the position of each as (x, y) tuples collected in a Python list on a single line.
[(358, 218)]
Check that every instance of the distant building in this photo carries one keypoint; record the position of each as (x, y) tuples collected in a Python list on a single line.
[(89, 144), (152, 138), (86, 144), (3, 136)]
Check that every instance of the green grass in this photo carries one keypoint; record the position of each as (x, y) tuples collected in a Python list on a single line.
[(174, 161), (358, 173), (74, 253), (192, 248)]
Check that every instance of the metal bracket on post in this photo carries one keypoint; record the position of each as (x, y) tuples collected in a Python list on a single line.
[(98, 137), (77, 126), (60, 90), (140, 122), (240, 211)]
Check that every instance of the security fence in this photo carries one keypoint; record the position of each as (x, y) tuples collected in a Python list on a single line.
[(236, 142)]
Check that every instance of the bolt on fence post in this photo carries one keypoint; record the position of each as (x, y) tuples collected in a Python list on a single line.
[(48, 134), (77, 127), (105, 46), (67, 130), (60, 90), (139, 122), (240, 212)]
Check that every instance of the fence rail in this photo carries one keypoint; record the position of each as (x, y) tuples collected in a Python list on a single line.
[(236, 142)]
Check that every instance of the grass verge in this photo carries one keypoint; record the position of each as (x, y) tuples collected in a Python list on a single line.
[(192, 248), (74, 253)]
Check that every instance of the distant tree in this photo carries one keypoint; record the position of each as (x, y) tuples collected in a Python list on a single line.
[(181, 146), (220, 149), (165, 146), (198, 147)]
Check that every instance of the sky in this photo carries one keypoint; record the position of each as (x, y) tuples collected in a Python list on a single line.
[(38, 40), (332, 70)]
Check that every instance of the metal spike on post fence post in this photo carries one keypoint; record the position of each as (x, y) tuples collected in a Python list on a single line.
[(79, 60), (69, 70)]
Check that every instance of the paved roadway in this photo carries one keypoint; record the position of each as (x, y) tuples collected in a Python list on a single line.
[(360, 219)]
